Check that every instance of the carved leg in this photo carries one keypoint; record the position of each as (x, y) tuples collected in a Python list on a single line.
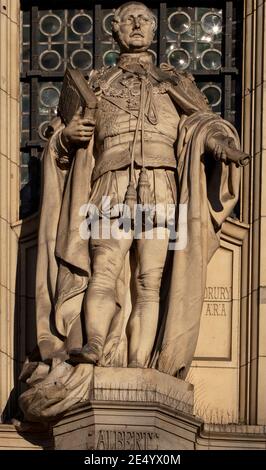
[(143, 320), (74, 339), (100, 299)]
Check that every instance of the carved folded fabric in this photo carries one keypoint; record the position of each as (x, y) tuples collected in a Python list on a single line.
[(162, 183)]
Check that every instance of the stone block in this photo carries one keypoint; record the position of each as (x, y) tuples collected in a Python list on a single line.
[(131, 409)]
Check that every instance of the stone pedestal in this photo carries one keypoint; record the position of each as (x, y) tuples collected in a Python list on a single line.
[(131, 409)]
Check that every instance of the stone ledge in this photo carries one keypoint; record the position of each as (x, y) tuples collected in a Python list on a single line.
[(245, 429), (231, 437), (11, 439), (141, 385)]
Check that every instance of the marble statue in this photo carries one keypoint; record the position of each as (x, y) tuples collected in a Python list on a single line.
[(129, 299)]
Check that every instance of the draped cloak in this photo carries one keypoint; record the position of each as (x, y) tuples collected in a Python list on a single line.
[(209, 191)]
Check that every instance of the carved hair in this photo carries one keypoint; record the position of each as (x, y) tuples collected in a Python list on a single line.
[(118, 12)]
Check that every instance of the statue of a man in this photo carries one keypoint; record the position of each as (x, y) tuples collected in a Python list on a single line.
[(128, 300)]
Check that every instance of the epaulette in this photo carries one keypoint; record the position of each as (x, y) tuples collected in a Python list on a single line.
[(98, 78), (187, 82)]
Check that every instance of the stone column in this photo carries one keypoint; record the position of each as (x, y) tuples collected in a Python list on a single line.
[(9, 184), (253, 310), (261, 117)]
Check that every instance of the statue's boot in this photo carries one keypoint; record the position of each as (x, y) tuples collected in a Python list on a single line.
[(88, 354)]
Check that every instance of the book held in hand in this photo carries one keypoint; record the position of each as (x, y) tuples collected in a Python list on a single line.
[(76, 93)]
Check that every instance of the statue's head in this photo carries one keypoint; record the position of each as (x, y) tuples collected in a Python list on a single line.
[(133, 27)]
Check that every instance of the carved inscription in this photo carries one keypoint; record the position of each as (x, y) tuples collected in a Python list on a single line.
[(215, 301), (215, 328), (218, 293), (215, 336), (126, 440)]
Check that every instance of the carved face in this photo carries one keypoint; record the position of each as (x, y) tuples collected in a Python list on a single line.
[(135, 29)]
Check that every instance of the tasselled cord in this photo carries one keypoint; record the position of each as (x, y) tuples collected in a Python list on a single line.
[(142, 108), (140, 118)]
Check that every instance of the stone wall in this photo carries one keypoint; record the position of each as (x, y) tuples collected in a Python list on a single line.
[(253, 308), (9, 184), (232, 386)]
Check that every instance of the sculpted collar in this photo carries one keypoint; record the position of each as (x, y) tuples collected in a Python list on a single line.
[(142, 63), (141, 58)]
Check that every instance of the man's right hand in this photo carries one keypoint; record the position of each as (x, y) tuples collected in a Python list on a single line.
[(79, 131)]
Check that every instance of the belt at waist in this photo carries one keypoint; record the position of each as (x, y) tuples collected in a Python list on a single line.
[(129, 137), (157, 155)]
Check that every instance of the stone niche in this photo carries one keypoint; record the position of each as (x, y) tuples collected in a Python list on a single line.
[(215, 369)]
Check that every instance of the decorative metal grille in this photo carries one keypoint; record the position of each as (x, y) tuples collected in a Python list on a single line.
[(194, 38), (201, 39)]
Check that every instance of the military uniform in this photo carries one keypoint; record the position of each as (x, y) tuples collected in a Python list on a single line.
[(119, 90)]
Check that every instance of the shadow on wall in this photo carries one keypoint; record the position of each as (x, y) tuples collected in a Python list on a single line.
[(25, 333)]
